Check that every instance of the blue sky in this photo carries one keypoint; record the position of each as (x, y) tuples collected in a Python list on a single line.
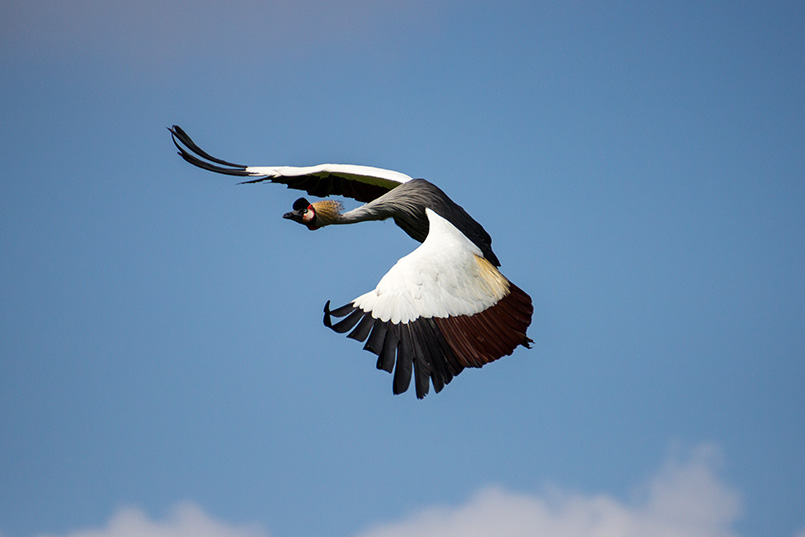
[(163, 365)]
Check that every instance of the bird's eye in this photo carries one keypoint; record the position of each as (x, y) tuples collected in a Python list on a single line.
[(304, 212)]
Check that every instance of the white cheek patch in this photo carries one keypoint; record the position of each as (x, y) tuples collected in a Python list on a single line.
[(309, 214)]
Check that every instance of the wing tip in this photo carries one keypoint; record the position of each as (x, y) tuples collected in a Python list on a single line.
[(196, 156)]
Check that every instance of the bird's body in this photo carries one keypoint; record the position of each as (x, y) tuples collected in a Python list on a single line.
[(443, 307)]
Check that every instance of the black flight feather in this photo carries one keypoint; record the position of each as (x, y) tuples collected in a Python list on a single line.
[(362, 330), (405, 362), (375, 342), (348, 322), (390, 344)]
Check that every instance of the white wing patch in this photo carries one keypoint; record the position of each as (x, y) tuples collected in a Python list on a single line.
[(445, 276), (363, 174)]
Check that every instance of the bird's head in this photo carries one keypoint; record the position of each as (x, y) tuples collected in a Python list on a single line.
[(315, 215), (304, 213)]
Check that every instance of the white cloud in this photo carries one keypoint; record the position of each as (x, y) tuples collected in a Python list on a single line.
[(185, 520), (686, 499)]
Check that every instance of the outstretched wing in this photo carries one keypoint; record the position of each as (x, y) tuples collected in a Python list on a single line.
[(440, 309), (362, 183)]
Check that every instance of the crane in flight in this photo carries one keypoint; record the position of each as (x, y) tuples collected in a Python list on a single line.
[(441, 308)]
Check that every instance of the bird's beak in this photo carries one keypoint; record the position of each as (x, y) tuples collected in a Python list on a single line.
[(293, 215)]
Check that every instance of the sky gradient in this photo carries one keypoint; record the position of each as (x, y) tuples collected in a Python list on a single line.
[(164, 369)]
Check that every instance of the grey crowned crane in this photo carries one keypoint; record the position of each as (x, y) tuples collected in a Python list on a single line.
[(441, 308)]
